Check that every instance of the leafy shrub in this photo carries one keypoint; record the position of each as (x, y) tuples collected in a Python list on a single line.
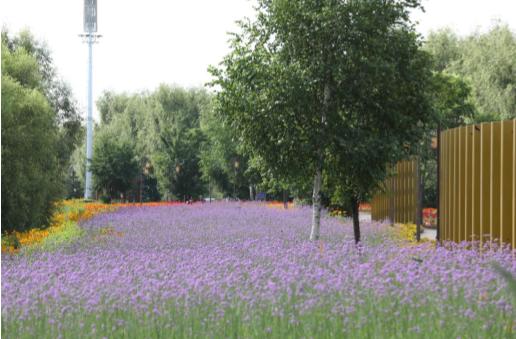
[(106, 199)]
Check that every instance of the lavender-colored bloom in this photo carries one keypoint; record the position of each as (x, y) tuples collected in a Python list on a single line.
[(243, 253)]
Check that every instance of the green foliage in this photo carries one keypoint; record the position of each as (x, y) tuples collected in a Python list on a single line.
[(473, 82), (31, 179), (443, 45), (11, 240), (106, 199), (74, 187), (266, 101), (164, 131), (453, 107), (335, 86), (451, 100), (110, 105), (57, 92), (41, 127), (220, 153), (175, 138), (486, 61), (113, 166)]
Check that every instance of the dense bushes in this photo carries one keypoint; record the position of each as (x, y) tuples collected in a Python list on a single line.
[(40, 126)]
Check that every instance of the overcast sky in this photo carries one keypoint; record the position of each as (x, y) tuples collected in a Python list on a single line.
[(146, 43)]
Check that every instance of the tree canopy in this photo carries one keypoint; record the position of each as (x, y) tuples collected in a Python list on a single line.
[(485, 62), (30, 141), (310, 83)]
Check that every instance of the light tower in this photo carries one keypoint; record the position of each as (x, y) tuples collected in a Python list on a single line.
[(90, 37)]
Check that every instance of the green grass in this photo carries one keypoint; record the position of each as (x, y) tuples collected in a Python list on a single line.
[(375, 318), (69, 233)]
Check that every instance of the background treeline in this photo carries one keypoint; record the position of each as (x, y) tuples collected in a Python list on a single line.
[(475, 82), (191, 150), (168, 145), (164, 144), (171, 144)]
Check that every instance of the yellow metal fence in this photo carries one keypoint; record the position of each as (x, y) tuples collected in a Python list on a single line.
[(478, 183), (477, 193), (398, 199)]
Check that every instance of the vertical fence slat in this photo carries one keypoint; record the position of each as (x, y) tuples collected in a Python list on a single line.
[(397, 207), (404, 183), (514, 185), (485, 186), (449, 221), (406, 192), (475, 183), (468, 165), (507, 153), (444, 194), (455, 182), (399, 194), (414, 192), (495, 179), (403, 191), (462, 183)]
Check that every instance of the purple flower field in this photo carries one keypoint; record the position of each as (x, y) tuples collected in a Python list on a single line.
[(251, 267)]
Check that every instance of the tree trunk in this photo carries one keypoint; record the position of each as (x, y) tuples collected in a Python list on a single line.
[(251, 195), (285, 199), (356, 221), (316, 196), (316, 205)]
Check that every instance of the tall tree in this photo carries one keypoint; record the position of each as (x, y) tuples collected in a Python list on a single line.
[(486, 62), (175, 140), (219, 154), (57, 92), (114, 166), (312, 77), (31, 177)]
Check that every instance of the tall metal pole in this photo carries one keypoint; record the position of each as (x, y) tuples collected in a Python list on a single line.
[(90, 37), (89, 127)]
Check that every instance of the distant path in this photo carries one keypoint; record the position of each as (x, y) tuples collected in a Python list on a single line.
[(364, 216)]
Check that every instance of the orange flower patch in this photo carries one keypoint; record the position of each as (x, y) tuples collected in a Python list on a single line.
[(279, 204)]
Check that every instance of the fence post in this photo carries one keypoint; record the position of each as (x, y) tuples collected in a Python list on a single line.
[(392, 206), (438, 235), (419, 182)]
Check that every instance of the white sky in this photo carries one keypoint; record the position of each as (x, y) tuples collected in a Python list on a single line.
[(146, 43)]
